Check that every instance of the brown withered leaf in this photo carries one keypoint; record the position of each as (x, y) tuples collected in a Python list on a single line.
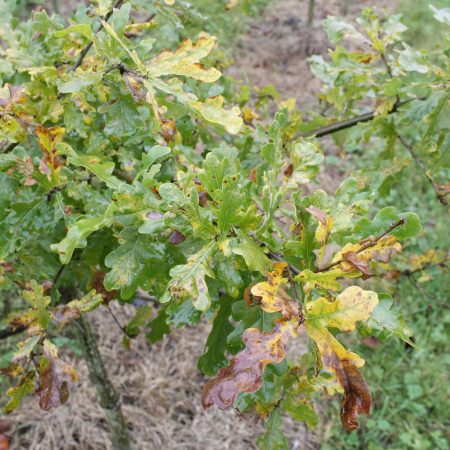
[(47, 285), (360, 254), (54, 376), (251, 299), (392, 274), (352, 305), (7, 267), (356, 263), (12, 371), (98, 285), (357, 398), (288, 171), (203, 199), (48, 138), (244, 374), (134, 87), (371, 341)]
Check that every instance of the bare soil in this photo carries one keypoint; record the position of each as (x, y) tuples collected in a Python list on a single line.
[(275, 48)]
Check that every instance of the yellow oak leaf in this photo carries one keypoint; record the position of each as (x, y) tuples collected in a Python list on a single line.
[(273, 297), (357, 256), (48, 139), (352, 305), (326, 280), (212, 111), (185, 60)]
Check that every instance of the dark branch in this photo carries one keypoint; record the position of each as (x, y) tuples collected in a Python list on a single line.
[(58, 274), (8, 332), (122, 328), (441, 264), (277, 257), (86, 49), (351, 122), (367, 244), (439, 195), (9, 148)]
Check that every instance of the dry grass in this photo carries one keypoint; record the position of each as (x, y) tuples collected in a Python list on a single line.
[(160, 388)]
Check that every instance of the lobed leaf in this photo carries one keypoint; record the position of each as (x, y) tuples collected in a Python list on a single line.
[(352, 305), (54, 376)]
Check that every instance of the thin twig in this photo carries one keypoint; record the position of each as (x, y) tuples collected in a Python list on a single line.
[(86, 49), (58, 274), (388, 67), (293, 284), (419, 288), (408, 273), (351, 122), (279, 258), (367, 244), (442, 264), (439, 195), (123, 329), (347, 123)]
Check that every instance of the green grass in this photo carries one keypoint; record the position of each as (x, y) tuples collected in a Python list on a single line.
[(424, 30), (410, 386)]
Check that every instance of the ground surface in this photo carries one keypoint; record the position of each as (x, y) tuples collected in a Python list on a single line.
[(160, 385), (160, 388), (276, 46)]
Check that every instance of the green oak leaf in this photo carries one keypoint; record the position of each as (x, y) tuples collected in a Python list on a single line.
[(140, 318), (19, 392), (273, 438), (158, 327), (102, 170), (190, 279), (388, 322), (252, 253), (383, 220), (302, 412), (325, 280), (79, 232), (129, 261), (214, 357)]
